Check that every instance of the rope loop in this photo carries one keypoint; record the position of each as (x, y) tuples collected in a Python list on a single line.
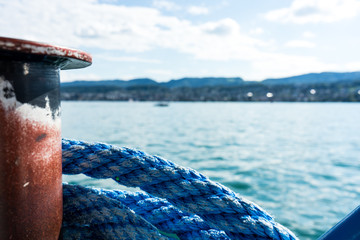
[(177, 202)]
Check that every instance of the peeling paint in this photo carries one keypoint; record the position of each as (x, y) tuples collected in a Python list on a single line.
[(82, 59)]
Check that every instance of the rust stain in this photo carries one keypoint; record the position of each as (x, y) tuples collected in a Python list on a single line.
[(37, 48)]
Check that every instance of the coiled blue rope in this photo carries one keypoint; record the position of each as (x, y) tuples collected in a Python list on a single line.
[(179, 202)]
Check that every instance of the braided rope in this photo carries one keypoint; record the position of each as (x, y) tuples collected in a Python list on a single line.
[(90, 216), (220, 213), (165, 216)]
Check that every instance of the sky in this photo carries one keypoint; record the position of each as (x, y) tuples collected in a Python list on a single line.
[(172, 39)]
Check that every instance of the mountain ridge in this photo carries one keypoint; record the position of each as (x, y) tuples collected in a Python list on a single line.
[(315, 78), (194, 82)]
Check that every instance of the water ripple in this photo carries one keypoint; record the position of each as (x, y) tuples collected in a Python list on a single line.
[(298, 161)]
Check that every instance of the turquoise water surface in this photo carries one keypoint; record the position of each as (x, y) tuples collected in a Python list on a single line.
[(299, 161)]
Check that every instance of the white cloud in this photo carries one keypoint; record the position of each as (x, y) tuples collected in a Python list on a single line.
[(352, 66), (314, 11), (308, 34), (130, 29), (197, 10), (299, 44), (162, 72), (281, 65), (68, 76), (221, 28), (167, 5), (220, 40), (88, 24), (257, 31), (85, 23), (126, 59)]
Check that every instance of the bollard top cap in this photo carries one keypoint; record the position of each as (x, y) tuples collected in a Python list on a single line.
[(66, 58)]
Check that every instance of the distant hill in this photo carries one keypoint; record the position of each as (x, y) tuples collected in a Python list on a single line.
[(310, 78), (183, 82), (313, 87), (315, 78), (202, 82), (111, 83)]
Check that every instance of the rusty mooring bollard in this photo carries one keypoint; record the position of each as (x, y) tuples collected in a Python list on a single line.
[(30, 137)]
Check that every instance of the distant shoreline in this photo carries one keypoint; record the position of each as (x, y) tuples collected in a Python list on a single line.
[(170, 102), (348, 91)]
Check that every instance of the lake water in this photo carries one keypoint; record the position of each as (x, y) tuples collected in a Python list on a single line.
[(299, 161)]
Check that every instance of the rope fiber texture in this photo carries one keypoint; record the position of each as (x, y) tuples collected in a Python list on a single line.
[(177, 202)]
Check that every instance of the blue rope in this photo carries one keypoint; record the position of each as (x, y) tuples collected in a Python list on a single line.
[(164, 216), (87, 215), (180, 200)]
